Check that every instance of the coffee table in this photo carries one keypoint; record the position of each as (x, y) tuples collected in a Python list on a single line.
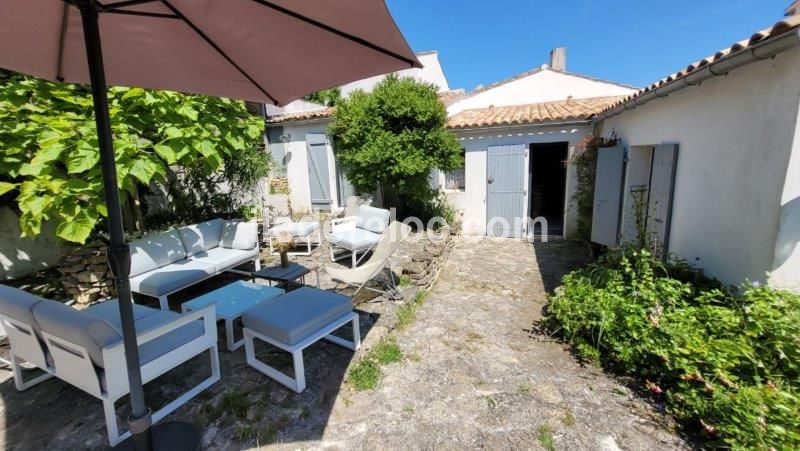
[(285, 277), (231, 301)]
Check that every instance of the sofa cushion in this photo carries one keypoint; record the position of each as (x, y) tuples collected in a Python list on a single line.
[(372, 219), (292, 317), (224, 259), (109, 311), (239, 235), (18, 305), (174, 277), (201, 237), (296, 229), (170, 341), (156, 251), (355, 239), (80, 328)]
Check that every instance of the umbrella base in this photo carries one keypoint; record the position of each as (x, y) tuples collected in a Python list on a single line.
[(170, 435)]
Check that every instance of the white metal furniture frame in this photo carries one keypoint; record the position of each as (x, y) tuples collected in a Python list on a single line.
[(72, 364), (298, 382), (313, 238), (230, 302)]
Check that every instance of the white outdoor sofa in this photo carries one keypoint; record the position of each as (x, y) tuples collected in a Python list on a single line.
[(168, 262), (84, 347), (357, 234)]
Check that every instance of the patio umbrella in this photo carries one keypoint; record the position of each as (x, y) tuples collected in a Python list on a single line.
[(270, 51)]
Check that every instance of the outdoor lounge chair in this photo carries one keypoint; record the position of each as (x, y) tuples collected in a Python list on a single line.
[(357, 234), (84, 347), (359, 277)]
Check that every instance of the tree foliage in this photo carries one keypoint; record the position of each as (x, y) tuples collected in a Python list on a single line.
[(50, 152), (327, 97), (394, 137)]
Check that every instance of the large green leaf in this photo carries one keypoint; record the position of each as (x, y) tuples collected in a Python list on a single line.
[(84, 157), (6, 187), (78, 228)]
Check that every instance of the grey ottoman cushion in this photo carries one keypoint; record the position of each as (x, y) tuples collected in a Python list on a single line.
[(18, 305), (292, 317), (83, 329)]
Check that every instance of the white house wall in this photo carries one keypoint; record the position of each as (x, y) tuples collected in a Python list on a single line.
[(296, 162), (472, 200), (430, 72), (733, 192), (544, 86)]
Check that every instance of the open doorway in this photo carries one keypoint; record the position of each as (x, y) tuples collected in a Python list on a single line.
[(548, 176)]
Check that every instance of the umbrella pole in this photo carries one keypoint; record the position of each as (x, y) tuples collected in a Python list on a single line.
[(119, 254)]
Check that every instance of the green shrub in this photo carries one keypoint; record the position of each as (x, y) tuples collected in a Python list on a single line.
[(725, 361)]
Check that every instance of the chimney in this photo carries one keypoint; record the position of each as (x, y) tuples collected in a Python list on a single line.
[(558, 58)]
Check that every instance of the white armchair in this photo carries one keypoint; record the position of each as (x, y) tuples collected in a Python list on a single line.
[(352, 235)]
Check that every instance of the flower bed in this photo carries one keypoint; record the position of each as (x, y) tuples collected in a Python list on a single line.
[(726, 361)]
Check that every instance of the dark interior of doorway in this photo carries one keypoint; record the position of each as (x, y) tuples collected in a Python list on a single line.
[(548, 175)]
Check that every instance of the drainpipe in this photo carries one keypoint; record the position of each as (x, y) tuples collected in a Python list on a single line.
[(756, 52)]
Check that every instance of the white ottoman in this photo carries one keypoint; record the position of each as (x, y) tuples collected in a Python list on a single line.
[(295, 321), (307, 232)]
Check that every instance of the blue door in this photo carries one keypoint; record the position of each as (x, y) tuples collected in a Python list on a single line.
[(505, 190), (318, 175)]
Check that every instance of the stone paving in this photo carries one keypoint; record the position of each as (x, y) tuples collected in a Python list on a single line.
[(475, 374)]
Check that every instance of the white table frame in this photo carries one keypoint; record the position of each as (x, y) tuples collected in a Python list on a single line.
[(298, 383)]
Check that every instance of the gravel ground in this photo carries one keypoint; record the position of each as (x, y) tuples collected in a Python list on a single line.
[(475, 374)]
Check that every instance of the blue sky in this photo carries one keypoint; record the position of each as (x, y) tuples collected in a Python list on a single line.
[(633, 42)]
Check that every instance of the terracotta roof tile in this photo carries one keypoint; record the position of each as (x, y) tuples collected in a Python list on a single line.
[(301, 115), (447, 97), (563, 110), (784, 26)]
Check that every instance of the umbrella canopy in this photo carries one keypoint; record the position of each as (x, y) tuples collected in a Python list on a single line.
[(271, 51)]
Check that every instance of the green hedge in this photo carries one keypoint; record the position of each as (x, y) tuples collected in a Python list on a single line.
[(725, 361)]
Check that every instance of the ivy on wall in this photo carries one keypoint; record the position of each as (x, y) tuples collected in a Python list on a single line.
[(50, 155)]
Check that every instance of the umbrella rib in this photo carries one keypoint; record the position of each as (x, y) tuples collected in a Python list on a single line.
[(217, 48), (61, 36), (335, 31), (125, 3), (140, 13)]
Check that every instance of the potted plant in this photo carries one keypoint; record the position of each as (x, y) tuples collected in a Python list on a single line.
[(284, 243)]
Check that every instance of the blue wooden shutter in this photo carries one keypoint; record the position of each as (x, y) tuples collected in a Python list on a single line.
[(608, 195), (318, 175), (659, 207)]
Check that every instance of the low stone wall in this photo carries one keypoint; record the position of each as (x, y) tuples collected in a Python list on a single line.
[(425, 264), (85, 274)]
